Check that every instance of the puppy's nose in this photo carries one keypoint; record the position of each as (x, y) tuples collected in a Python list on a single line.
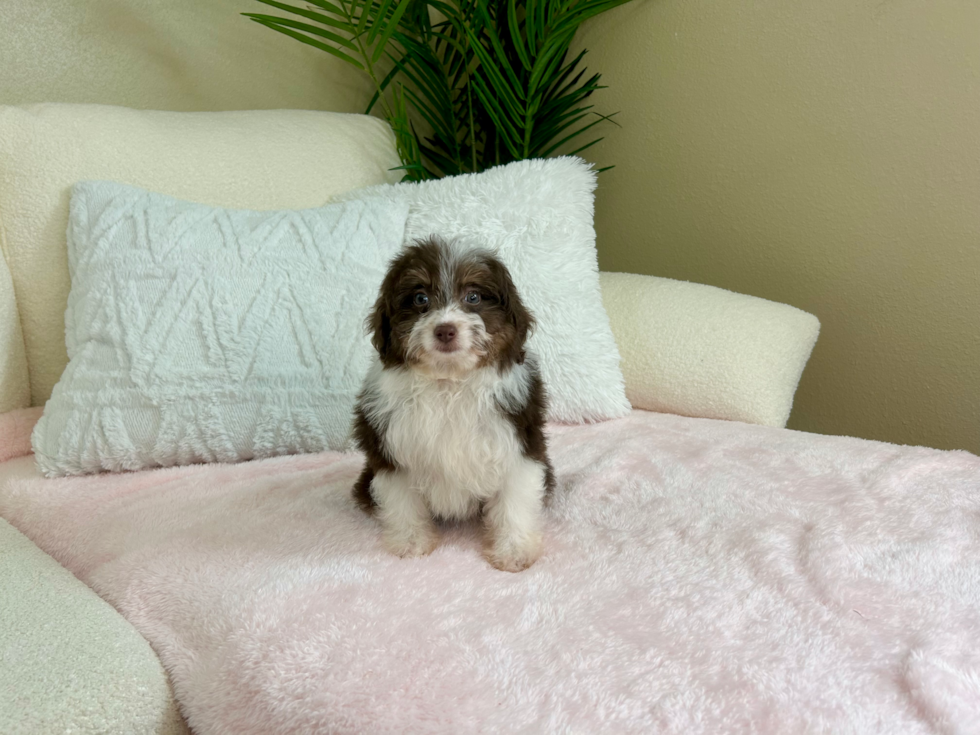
[(445, 333)]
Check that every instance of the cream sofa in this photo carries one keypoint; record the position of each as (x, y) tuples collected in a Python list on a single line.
[(71, 662)]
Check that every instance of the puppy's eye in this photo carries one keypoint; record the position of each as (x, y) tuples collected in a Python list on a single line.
[(420, 299), (472, 298)]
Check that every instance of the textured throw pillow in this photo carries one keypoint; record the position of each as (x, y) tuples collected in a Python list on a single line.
[(537, 216), (200, 334)]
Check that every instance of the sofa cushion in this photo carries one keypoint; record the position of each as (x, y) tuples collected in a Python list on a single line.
[(265, 159)]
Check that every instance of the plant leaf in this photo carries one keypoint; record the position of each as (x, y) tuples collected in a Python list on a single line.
[(560, 143), (376, 27), (298, 25), (310, 42), (390, 28), (312, 15), (505, 129), (587, 145), (515, 34), (328, 6)]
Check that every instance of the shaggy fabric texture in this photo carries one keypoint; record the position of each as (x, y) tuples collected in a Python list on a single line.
[(68, 662), (706, 352), (250, 159), (200, 334), (699, 576), (537, 216)]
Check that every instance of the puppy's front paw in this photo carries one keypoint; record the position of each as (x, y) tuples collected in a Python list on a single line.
[(417, 544), (508, 556)]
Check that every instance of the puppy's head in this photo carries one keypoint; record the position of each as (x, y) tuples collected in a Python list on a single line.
[(446, 309)]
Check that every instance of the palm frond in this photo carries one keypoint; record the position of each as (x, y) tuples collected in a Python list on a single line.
[(488, 81)]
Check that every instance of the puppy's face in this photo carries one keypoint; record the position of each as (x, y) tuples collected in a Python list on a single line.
[(447, 310)]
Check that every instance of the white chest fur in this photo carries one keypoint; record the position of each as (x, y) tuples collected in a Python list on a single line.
[(450, 436)]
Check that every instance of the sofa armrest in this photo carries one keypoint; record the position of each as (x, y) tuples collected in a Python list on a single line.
[(68, 661), (702, 351)]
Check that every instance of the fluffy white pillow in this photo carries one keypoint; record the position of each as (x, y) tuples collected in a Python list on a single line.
[(537, 216), (200, 334)]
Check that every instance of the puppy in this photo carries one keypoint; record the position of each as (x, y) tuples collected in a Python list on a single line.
[(452, 411)]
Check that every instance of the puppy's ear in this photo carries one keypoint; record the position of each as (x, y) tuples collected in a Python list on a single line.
[(517, 314), (379, 327)]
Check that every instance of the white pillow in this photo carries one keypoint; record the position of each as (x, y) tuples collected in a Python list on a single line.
[(702, 351), (537, 216), (199, 334)]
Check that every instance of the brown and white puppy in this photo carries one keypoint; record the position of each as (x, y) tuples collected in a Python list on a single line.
[(451, 414)]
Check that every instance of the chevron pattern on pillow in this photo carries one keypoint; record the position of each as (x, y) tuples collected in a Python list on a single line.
[(201, 334)]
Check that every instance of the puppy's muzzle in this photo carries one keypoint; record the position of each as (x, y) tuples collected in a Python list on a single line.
[(445, 335)]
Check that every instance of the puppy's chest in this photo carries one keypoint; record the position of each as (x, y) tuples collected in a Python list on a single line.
[(457, 433)]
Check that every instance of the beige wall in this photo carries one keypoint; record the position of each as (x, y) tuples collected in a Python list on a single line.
[(823, 154), (164, 54)]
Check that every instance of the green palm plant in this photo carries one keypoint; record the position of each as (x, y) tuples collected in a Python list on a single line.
[(486, 81)]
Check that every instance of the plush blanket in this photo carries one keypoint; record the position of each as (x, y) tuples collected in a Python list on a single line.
[(700, 577)]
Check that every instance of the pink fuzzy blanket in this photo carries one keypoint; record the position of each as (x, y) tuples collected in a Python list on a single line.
[(700, 577)]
